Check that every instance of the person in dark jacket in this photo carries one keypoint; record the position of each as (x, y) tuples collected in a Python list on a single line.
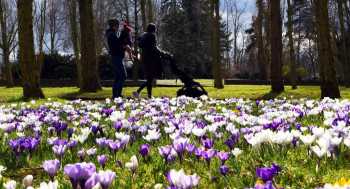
[(150, 58), (117, 52)]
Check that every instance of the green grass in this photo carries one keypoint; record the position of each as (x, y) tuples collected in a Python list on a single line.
[(245, 91)]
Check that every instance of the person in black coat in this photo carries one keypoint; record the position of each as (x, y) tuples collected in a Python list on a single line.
[(117, 47), (151, 59)]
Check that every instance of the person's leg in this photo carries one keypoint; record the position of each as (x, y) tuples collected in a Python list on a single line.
[(120, 76), (149, 87), (142, 86)]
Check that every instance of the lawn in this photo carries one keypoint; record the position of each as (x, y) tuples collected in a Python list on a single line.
[(230, 91)]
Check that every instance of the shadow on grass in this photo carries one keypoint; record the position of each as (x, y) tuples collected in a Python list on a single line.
[(82, 96), (270, 95)]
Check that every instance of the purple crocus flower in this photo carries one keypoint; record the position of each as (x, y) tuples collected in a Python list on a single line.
[(267, 185), (71, 144), (118, 125), (268, 173), (224, 170), (81, 154), (106, 178), (190, 148), (198, 152), (23, 144), (114, 146), (51, 167), (208, 154), (70, 132), (230, 143), (164, 151), (92, 181), (59, 150), (102, 159), (59, 142), (179, 146), (59, 126), (79, 173), (223, 156), (207, 143), (144, 150), (101, 142)]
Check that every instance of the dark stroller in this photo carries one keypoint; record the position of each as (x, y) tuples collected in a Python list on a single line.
[(191, 88)]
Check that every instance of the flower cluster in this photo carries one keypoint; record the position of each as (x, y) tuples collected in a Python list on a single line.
[(92, 143)]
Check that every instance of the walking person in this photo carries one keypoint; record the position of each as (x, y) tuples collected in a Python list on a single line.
[(150, 58), (117, 47)]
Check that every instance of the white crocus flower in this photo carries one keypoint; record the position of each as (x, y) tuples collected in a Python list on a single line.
[(10, 184), (318, 132), (320, 152), (2, 169), (117, 115), (49, 185), (132, 164), (347, 142), (307, 139), (152, 135), (336, 141), (85, 132), (199, 132), (236, 152), (28, 181)]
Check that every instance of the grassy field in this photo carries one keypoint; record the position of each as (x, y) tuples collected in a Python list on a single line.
[(230, 91)]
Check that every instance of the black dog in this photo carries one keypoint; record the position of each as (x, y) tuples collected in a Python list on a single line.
[(191, 88)]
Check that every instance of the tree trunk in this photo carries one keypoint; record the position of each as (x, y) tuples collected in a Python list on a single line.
[(215, 14), (8, 69), (99, 31), (41, 33), (75, 38), (30, 70), (260, 40), (90, 80), (276, 47), (293, 73), (150, 11), (329, 83), (267, 45), (143, 14), (344, 56), (5, 47)]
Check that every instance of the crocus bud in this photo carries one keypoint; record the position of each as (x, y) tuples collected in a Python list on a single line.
[(28, 181)]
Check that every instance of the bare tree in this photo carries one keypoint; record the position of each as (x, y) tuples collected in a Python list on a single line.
[(75, 36), (30, 70), (55, 25), (236, 10), (40, 26), (291, 46), (345, 57), (8, 43)]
